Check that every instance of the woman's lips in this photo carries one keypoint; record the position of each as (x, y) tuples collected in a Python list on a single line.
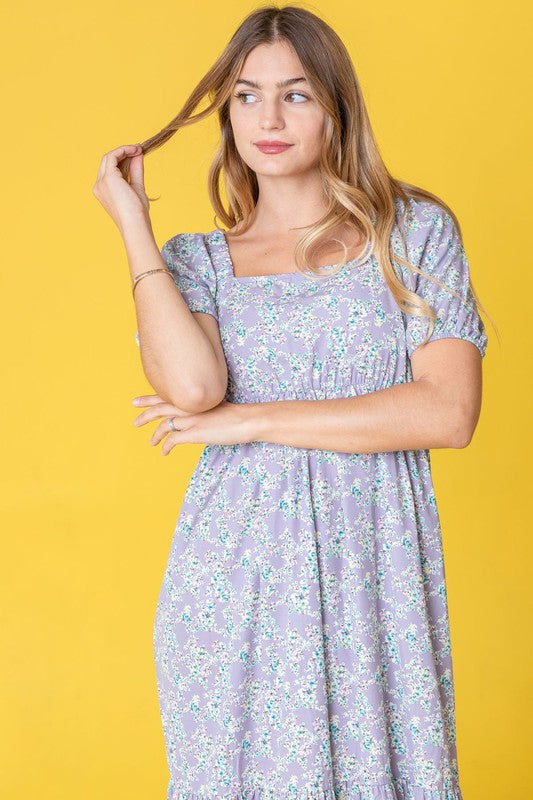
[(273, 148)]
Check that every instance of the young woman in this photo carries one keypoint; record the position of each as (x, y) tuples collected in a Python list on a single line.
[(319, 346)]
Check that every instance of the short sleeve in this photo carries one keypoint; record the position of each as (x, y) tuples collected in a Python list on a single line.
[(187, 258), (434, 245)]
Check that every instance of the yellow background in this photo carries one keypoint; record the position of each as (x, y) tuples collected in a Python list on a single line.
[(88, 507)]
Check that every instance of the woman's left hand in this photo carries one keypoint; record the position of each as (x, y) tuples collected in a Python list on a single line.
[(226, 423)]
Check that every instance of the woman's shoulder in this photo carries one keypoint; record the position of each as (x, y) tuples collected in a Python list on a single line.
[(424, 234), (423, 224), (420, 213), (189, 252), (185, 240), (189, 245)]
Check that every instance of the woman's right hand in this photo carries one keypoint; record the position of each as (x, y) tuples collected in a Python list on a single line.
[(122, 200)]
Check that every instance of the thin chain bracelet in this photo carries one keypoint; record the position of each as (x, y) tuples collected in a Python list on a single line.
[(148, 272)]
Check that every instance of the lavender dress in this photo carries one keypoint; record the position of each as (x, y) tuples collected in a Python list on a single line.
[(301, 635)]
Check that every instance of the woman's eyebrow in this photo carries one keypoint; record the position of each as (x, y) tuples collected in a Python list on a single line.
[(279, 84)]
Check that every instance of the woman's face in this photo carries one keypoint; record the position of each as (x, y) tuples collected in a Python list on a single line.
[(265, 111)]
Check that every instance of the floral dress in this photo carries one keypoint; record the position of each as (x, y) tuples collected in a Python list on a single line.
[(301, 635)]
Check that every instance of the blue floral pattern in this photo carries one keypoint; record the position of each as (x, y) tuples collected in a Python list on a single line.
[(301, 634)]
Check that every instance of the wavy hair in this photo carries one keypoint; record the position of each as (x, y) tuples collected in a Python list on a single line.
[(360, 191)]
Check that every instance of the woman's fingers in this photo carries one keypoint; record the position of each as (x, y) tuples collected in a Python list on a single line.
[(155, 400), (158, 410), (147, 400), (111, 159), (163, 429), (137, 172), (163, 410)]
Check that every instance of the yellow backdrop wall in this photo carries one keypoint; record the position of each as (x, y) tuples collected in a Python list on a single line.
[(88, 507)]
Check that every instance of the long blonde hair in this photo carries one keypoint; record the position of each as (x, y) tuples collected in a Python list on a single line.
[(359, 189)]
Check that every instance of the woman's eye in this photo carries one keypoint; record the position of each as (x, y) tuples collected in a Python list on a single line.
[(243, 94), (300, 95), (247, 94)]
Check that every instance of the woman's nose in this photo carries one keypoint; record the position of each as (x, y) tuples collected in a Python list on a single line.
[(271, 114)]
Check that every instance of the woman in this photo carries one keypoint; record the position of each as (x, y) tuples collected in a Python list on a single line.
[(320, 346)]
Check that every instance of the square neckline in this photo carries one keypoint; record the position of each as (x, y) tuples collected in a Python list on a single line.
[(231, 269)]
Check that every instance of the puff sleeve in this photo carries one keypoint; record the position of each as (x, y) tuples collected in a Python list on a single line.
[(435, 246), (187, 258)]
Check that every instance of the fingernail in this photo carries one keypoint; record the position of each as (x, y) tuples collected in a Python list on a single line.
[(135, 401)]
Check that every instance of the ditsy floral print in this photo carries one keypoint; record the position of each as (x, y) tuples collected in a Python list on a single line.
[(301, 634)]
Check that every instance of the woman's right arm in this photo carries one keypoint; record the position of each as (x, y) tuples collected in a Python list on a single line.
[(182, 357)]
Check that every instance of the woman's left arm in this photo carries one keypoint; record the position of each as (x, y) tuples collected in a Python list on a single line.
[(439, 408)]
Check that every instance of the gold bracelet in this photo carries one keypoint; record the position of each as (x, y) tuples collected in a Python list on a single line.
[(148, 272)]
